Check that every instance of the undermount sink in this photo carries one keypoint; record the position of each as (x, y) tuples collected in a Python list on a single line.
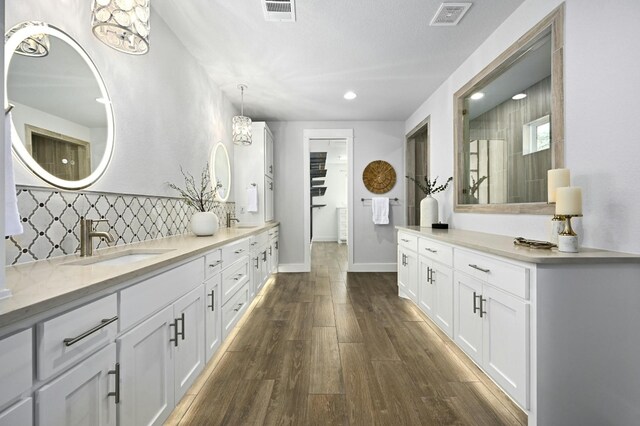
[(120, 258)]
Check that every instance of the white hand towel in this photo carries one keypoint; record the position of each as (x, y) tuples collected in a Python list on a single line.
[(12, 224), (380, 207), (252, 199)]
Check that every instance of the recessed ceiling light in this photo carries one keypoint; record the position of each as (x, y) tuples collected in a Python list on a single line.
[(477, 95), (350, 95), (519, 96)]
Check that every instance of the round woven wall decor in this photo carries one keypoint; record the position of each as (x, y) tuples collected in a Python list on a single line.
[(379, 177)]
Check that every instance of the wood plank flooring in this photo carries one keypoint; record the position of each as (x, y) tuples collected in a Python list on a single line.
[(331, 348)]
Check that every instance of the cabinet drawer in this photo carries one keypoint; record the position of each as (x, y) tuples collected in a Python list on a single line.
[(234, 251), (212, 263), (259, 240), (511, 278), (408, 241), (233, 278), (437, 251), (143, 299), (68, 338), (16, 365), (233, 310), (273, 232)]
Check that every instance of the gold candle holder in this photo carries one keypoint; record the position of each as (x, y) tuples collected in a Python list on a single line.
[(568, 239)]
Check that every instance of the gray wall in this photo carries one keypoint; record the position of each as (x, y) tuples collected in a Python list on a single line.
[(372, 141), (167, 111)]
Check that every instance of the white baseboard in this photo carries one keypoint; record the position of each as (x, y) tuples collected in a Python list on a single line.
[(292, 267), (328, 239), (374, 267)]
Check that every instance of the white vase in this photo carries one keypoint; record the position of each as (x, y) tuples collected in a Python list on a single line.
[(204, 223), (428, 211)]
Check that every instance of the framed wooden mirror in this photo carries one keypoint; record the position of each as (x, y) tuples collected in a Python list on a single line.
[(509, 126)]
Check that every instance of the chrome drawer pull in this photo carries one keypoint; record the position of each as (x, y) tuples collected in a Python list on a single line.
[(213, 300), (431, 250), (257, 262), (475, 307), (238, 251), (105, 322), (486, 271), (482, 302), (253, 244), (116, 372), (237, 277), (239, 306), (402, 239), (213, 265)]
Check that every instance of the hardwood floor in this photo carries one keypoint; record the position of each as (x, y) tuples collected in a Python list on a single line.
[(327, 347)]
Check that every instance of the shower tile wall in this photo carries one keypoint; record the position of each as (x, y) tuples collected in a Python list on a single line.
[(51, 220)]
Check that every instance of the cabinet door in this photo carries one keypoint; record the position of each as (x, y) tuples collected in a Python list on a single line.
[(264, 266), (212, 326), (505, 342), (268, 199), (81, 395), (467, 324), (146, 371), (256, 274), (268, 154), (276, 256), (411, 265), (426, 290), (442, 284), (19, 414), (189, 352)]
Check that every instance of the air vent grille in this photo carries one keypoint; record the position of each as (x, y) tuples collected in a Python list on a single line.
[(279, 10), (450, 14)]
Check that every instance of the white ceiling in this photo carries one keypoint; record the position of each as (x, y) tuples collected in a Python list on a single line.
[(385, 51)]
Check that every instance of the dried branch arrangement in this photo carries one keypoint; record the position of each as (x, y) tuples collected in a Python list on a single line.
[(201, 196), (430, 188)]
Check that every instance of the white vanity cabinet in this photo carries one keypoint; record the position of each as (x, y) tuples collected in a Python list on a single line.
[(253, 166), (85, 395), (408, 266), (435, 292)]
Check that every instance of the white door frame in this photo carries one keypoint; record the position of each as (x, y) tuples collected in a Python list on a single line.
[(309, 134)]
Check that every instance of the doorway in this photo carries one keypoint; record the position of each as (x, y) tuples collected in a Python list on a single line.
[(328, 191), (417, 166)]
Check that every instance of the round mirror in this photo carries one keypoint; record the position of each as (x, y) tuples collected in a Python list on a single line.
[(63, 127), (221, 171)]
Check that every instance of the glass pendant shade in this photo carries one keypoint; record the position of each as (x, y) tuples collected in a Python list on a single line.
[(241, 124), (241, 130), (37, 45), (122, 24)]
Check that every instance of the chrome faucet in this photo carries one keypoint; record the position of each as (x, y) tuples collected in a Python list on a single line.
[(87, 234), (231, 219)]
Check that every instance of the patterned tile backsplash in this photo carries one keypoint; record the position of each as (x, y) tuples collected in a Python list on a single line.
[(51, 220)]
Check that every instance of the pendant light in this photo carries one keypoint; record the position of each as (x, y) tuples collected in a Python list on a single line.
[(36, 45), (122, 24), (241, 124)]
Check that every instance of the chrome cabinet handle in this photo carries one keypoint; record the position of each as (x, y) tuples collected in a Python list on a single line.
[(276, 245), (257, 259), (271, 186), (402, 239), (239, 306), (105, 322), (213, 265), (237, 277), (479, 268), (174, 324), (430, 250), (428, 275), (213, 299), (475, 307), (181, 319), (238, 251), (253, 243), (270, 251), (270, 169), (264, 256), (116, 393), (482, 302)]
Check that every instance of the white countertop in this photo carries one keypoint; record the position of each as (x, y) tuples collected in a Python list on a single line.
[(40, 286), (501, 245)]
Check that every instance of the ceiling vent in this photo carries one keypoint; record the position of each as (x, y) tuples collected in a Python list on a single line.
[(449, 14), (279, 10)]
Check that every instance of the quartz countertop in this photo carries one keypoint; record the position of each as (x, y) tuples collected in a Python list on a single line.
[(501, 245), (46, 284)]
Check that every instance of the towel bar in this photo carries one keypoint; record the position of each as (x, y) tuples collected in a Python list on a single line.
[(390, 199)]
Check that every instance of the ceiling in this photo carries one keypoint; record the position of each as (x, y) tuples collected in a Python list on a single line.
[(385, 51)]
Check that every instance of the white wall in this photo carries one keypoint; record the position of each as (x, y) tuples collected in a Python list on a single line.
[(373, 140), (325, 219), (167, 111), (602, 130)]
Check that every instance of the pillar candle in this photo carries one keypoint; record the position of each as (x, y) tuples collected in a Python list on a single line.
[(556, 178), (569, 201)]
